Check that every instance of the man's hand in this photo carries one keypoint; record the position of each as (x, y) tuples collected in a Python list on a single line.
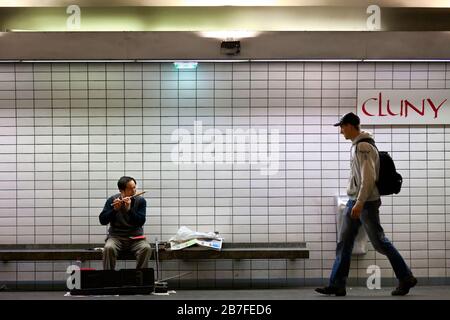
[(127, 203), (357, 209), (117, 203)]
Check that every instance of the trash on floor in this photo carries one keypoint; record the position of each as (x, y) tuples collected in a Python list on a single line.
[(164, 293)]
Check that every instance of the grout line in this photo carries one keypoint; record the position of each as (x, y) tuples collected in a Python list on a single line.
[(321, 176), (250, 126), (285, 164), (428, 207), (445, 184), (267, 150), (53, 150), (51, 88), (70, 152), (34, 154), (178, 163), (16, 155), (409, 177), (303, 166), (214, 167), (160, 153), (16, 202), (142, 134)]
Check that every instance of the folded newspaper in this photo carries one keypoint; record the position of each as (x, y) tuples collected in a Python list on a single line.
[(185, 237)]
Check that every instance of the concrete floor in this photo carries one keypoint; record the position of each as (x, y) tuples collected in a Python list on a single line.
[(359, 293)]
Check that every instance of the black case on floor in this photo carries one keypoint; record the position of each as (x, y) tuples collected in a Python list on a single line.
[(124, 281)]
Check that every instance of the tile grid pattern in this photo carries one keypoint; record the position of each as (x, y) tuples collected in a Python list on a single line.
[(78, 226)]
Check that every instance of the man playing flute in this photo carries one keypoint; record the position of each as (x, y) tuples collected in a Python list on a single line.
[(125, 213)]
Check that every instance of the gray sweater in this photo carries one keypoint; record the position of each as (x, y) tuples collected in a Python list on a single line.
[(123, 223), (365, 167)]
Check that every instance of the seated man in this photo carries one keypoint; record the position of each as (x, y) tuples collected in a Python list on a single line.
[(126, 216)]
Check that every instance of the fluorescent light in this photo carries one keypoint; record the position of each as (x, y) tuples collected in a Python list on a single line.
[(250, 3), (185, 64), (229, 34), (199, 60), (226, 60)]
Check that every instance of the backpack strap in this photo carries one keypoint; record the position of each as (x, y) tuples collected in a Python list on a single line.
[(368, 140), (372, 143)]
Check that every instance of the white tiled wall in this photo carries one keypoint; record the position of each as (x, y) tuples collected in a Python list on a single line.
[(69, 131)]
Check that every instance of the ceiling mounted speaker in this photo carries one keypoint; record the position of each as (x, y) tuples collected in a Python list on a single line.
[(230, 48)]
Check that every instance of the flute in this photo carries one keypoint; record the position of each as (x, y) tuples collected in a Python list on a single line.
[(131, 197)]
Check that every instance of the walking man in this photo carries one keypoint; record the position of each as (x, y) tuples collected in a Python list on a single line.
[(363, 209)]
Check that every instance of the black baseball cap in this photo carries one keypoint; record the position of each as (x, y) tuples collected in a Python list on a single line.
[(349, 118)]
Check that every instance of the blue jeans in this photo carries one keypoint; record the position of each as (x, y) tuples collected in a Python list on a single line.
[(370, 219)]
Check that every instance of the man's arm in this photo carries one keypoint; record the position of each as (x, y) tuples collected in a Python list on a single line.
[(138, 212), (366, 155), (108, 213)]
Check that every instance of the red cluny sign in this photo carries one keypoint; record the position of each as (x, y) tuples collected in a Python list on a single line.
[(430, 106)]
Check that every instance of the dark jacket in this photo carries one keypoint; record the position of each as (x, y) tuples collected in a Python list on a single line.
[(123, 223)]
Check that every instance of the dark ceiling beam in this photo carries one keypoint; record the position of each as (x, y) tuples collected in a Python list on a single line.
[(191, 46)]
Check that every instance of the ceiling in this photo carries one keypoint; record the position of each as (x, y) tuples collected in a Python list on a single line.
[(170, 3), (201, 15)]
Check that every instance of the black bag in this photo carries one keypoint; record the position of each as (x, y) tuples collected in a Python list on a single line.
[(112, 282), (389, 180)]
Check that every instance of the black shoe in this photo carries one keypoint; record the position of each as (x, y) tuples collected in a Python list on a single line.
[(339, 292), (404, 286)]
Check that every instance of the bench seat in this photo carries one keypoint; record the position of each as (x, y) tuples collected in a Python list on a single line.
[(85, 252)]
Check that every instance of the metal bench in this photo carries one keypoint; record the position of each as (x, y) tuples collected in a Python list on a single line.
[(85, 252)]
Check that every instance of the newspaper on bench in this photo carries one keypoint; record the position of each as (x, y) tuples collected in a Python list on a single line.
[(185, 237)]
